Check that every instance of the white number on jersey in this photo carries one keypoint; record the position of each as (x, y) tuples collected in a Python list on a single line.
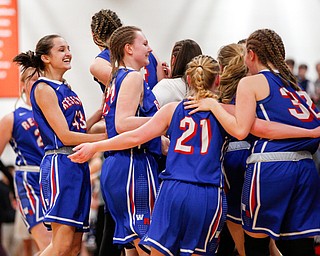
[(190, 127), (79, 121), (300, 111), (39, 139)]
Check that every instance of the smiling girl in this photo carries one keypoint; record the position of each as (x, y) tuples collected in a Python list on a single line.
[(64, 186), (129, 177)]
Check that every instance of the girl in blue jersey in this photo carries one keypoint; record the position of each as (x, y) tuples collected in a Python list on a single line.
[(231, 60), (129, 178), (64, 186), (281, 196), (103, 24), (20, 130), (191, 206)]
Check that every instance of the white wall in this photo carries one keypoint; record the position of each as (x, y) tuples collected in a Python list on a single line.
[(212, 23)]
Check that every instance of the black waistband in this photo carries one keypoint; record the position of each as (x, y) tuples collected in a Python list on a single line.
[(135, 150)]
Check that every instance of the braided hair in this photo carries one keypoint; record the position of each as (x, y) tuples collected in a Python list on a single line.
[(119, 38), (269, 48), (203, 71), (103, 23), (183, 51)]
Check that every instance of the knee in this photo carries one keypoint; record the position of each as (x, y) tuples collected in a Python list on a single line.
[(75, 250), (63, 249)]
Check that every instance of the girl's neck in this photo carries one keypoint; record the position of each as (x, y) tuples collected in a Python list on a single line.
[(28, 102), (127, 67), (53, 77), (261, 67), (132, 64)]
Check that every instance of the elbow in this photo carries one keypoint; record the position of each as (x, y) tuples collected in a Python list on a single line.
[(93, 70), (67, 142), (66, 139), (240, 135), (135, 141), (99, 127), (120, 128)]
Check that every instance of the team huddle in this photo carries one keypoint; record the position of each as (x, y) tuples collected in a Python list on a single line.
[(190, 149)]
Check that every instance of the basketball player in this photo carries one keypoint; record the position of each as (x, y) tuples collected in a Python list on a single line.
[(64, 186), (20, 130), (280, 198)]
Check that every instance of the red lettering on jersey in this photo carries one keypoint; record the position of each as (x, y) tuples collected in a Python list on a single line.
[(146, 221)]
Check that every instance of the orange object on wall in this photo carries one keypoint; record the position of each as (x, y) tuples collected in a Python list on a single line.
[(9, 72)]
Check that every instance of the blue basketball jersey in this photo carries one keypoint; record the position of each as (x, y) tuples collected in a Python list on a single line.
[(26, 140), (105, 54), (196, 148), (27, 144), (285, 105), (64, 185), (149, 71), (71, 107), (148, 108)]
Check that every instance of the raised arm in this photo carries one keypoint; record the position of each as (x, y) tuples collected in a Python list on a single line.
[(155, 127), (101, 70)]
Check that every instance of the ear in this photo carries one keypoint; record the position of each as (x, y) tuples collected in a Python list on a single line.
[(128, 49), (173, 60), (45, 58), (188, 80), (217, 81), (221, 68), (252, 55)]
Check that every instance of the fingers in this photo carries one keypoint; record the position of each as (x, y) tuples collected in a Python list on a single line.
[(190, 102), (191, 106), (165, 68), (76, 148), (77, 157), (73, 157), (193, 111)]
